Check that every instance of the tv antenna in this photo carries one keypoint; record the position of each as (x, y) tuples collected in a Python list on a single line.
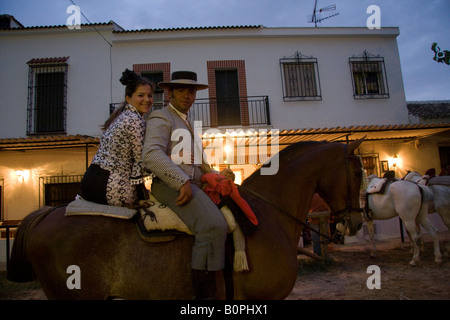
[(316, 17)]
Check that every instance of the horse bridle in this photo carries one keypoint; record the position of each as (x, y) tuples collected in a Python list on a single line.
[(339, 215), (256, 194), (344, 214)]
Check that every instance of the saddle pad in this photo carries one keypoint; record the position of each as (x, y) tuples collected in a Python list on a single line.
[(375, 185), (87, 208), (163, 219)]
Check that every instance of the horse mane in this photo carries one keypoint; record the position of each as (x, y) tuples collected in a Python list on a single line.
[(19, 267), (293, 151)]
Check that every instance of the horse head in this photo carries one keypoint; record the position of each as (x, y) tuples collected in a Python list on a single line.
[(343, 198)]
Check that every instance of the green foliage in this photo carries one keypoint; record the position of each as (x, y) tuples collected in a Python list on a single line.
[(440, 56)]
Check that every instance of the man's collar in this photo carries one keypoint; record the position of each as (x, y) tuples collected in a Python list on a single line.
[(182, 115)]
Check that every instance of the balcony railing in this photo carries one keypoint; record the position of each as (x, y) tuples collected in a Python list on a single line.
[(256, 107)]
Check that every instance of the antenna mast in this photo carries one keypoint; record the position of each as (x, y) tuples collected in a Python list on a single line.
[(316, 17)]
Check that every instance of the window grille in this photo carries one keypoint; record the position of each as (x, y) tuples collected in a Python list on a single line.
[(158, 94), (300, 78), (369, 77), (58, 190), (47, 96)]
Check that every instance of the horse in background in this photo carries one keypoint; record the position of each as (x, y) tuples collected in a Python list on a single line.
[(407, 200), (440, 187)]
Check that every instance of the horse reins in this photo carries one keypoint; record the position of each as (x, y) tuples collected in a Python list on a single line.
[(256, 194), (337, 213)]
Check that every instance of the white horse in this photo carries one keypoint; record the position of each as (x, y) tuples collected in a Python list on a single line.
[(440, 187), (407, 200)]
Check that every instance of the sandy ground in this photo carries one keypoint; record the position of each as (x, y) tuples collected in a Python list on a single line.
[(345, 277)]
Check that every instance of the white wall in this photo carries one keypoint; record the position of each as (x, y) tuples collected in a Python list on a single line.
[(262, 50), (91, 83), (88, 93)]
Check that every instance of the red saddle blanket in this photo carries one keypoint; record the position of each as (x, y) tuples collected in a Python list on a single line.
[(217, 185)]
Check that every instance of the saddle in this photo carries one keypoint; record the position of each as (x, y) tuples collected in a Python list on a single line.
[(441, 180), (376, 185), (156, 222)]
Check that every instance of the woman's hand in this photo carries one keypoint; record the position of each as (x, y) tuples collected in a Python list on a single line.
[(185, 194)]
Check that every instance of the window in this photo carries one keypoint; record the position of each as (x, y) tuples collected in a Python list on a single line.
[(369, 77), (300, 78), (47, 95), (155, 72), (370, 163), (158, 95), (59, 190)]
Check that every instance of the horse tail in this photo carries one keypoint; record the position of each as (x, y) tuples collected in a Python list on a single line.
[(19, 266), (427, 194)]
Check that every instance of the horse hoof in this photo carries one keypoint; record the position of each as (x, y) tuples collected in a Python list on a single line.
[(439, 262), (373, 255), (413, 263)]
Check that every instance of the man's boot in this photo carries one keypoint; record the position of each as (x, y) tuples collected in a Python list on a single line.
[(204, 283)]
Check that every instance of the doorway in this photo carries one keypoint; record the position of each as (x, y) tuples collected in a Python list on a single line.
[(227, 94)]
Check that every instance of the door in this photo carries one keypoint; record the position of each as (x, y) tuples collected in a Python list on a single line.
[(227, 94)]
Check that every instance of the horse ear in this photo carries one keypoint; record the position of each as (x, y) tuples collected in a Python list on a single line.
[(355, 144)]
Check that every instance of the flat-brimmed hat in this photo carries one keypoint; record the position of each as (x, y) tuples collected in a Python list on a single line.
[(183, 79)]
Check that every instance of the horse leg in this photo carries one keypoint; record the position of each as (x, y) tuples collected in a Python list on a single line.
[(370, 229), (411, 250), (422, 243), (415, 239), (423, 219)]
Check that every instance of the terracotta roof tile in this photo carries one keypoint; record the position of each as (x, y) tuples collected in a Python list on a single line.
[(48, 60), (190, 29), (430, 109)]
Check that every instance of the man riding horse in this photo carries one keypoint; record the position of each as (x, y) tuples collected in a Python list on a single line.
[(178, 185)]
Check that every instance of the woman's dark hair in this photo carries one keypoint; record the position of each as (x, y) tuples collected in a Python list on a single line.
[(131, 81)]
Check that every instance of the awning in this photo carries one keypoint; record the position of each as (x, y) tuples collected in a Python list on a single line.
[(370, 132), (403, 132), (47, 142), (285, 137)]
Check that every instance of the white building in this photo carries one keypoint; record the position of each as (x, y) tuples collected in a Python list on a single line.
[(57, 86)]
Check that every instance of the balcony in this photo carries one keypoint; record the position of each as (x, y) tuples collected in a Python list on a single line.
[(242, 111)]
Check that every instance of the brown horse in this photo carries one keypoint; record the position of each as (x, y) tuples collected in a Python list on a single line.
[(114, 261)]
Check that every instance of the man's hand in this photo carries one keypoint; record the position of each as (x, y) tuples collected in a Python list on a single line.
[(228, 173), (185, 194)]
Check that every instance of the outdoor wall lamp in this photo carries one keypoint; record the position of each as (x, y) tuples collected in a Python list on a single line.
[(22, 175), (394, 161)]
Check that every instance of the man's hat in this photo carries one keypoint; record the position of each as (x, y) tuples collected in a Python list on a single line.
[(183, 79)]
